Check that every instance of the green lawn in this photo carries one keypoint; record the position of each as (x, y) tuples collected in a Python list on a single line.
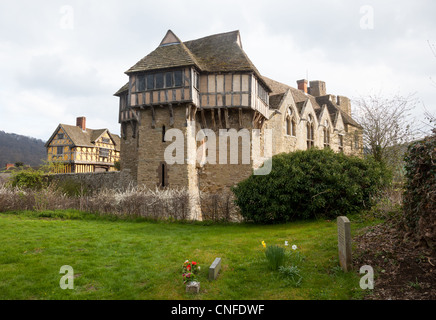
[(142, 260)]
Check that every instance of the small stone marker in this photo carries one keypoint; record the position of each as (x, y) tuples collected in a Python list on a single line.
[(193, 287), (214, 269), (344, 243)]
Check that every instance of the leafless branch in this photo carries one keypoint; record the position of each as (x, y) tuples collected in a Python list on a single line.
[(387, 124)]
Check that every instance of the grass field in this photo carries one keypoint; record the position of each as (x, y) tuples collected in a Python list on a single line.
[(142, 260)]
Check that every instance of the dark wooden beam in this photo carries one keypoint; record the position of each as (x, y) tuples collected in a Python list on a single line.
[(254, 119), (153, 117), (226, 117), (240, 118), (220, 123), (212, 116), (203, 119), (171, 115)]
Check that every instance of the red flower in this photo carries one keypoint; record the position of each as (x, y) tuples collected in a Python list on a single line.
[(194, 263), (188, 267)]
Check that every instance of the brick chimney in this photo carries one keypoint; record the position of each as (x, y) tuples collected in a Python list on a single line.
[(81, 122), (302, 85)]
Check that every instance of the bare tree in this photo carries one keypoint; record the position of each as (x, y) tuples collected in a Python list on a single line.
[(387, 125)]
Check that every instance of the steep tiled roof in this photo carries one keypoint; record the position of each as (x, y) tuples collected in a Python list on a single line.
[(278, 87), (95, 134), (221, 52), (275, 100), (216, 53), (167, 56), (333, 109), (123, 89)]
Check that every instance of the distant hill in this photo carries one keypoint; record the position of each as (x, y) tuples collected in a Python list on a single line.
[(17, 148)]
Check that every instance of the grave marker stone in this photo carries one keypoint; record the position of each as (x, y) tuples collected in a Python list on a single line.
[(214, 269), (193, 287), (344, 243)]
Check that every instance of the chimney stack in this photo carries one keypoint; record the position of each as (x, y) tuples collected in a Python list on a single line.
[(345, 104), (302, 85), (318, 88), (81, 122)]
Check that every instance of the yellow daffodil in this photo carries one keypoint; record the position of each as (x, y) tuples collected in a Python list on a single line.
[(264, 244)]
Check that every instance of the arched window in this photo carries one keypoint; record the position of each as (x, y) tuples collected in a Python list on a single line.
[(341, 143), (326, 134), (290, 123), (310, 132)]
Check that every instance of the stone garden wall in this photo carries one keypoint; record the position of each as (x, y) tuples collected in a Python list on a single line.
[(116, 180)]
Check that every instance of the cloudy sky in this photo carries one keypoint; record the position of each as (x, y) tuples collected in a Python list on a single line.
[(63, 59)]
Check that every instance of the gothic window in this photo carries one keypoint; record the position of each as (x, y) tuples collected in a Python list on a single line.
[(163, 133), (341, 143), (326, 135), (310, 132), (290, 124)]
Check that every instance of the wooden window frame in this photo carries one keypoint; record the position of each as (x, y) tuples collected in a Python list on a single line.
[(148, 82), (105, 153)]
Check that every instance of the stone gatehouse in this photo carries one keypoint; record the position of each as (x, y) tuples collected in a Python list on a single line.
[(210, 83)]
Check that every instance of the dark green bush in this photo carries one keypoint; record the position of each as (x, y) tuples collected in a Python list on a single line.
[(29, 179), (309, 184)]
